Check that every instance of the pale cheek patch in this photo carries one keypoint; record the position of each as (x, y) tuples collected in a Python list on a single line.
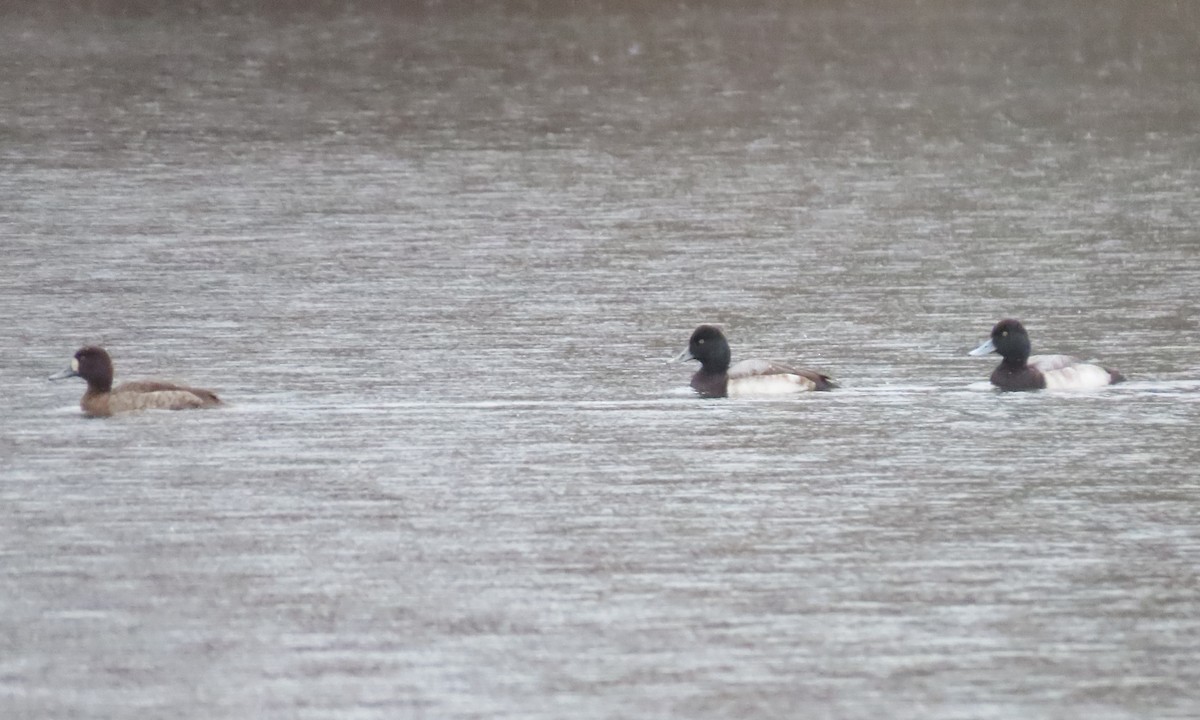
[(769, 385), (74, 364)]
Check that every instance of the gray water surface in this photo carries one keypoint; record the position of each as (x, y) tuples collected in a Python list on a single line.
[(435, 260)]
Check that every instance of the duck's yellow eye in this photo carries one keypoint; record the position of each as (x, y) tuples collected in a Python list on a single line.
[(700, 341), (1005, 333)]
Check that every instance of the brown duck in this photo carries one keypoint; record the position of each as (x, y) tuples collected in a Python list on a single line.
[(102, 400)]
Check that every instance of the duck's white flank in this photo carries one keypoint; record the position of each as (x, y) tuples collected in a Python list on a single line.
[(761, 378), (1077, 377)]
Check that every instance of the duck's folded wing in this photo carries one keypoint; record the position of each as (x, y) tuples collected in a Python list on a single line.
[(766, 377), (151, 394), (1050, 363)]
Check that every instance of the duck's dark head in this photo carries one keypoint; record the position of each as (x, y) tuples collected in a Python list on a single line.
[(708, 345), (1009, 340), (93, 365)]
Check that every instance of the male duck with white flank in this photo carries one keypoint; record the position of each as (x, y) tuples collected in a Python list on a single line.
[(748, 378), (1021, 371)]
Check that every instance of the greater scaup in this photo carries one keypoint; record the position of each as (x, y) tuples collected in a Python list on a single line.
[(102, 400), (748, 378), (1021, 371)]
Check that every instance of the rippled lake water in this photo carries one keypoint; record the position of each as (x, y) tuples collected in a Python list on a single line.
[(436, 258)]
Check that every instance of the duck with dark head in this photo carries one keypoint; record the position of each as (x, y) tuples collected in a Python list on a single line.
[(748, 378), (1018, 370), (102, 400)]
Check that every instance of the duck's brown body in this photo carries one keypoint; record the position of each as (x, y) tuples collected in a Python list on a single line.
[(103, 400), (134, 396)]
